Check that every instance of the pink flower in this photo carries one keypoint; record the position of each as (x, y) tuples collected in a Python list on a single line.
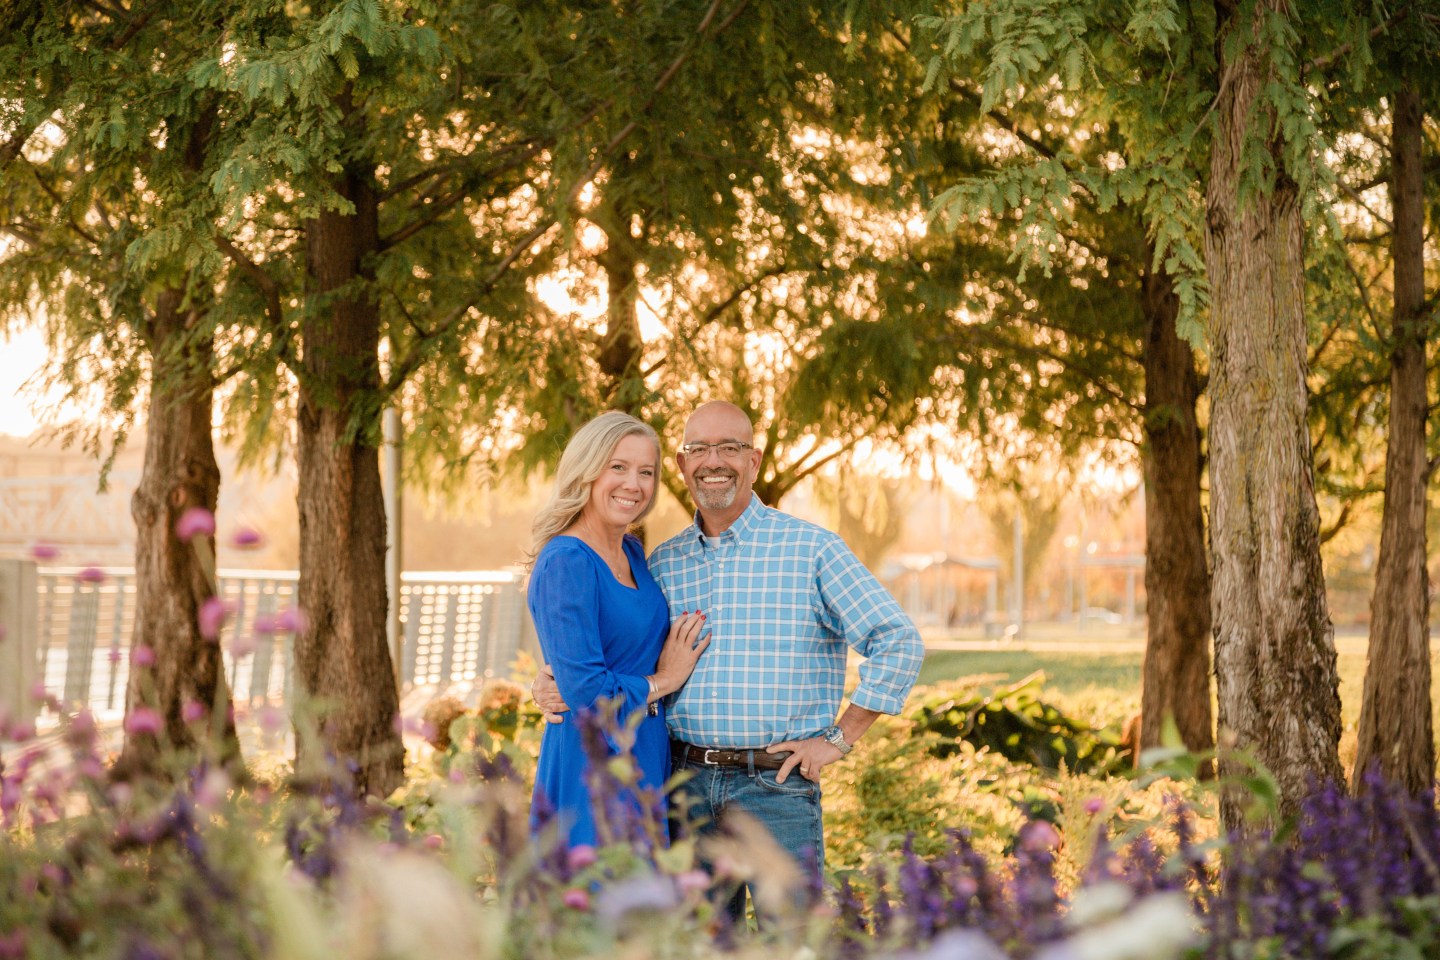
[(91, 575), (142, 656), (1094, 805), (265, 624), (581, 856), (193, 711), (243, 646), (212, 616), (40, 551), (1038, 835), (246, 538), (22, 731), (291, 620), (195, 522), (270, 718), (433, 841), (693, 881), (38, 693), (143, 720), (577, 899)]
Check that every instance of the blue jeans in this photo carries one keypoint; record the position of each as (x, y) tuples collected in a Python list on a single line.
[(789, 810)]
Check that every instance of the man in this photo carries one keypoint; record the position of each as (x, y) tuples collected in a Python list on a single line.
[(755, 725)]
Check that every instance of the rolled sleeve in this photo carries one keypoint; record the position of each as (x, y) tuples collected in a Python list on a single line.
[(859, 609)]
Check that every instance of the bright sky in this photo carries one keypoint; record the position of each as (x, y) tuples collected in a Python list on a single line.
[(22, 353)]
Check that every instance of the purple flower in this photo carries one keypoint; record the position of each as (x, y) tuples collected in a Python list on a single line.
[(41, 552), (195, 522), (142, 656), (143, 720), (91, 575), (1094, 805), (193, 711), (212, 615), (246, 538)]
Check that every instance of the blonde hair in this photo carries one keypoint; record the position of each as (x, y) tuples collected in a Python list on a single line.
[(581, 464)]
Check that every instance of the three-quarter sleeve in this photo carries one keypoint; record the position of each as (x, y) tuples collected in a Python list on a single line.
[(565, 603)]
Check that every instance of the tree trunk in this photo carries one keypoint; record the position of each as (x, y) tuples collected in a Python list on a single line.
[(1396, 731), (1274, 644), (1176, 677), (621, 347), (342, 662), (171, 578)]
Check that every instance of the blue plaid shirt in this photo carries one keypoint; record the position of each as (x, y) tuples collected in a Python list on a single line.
[(783, 599)]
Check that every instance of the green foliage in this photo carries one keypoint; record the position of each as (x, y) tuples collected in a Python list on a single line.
[(1014, 722)]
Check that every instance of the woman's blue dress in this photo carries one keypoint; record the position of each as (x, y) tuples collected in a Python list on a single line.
[(602, 639)]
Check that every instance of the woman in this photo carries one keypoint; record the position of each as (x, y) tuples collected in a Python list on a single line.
[(602, 622)]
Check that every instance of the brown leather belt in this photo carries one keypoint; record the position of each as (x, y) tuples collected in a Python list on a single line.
[(711, 757)]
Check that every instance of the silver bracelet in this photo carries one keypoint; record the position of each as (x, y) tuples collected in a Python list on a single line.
[(654, 690)]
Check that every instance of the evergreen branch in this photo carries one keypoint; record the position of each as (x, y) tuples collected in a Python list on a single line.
[(1383, 177), (55, 195), (1099, 381), (1360, 202), (435, 210), (267, 286), (413, 359), (1004, 121), (1325, 61)]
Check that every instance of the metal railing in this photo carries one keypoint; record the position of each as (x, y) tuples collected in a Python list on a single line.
[(458, 627)]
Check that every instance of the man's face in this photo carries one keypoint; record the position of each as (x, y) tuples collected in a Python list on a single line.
[(719, 478)]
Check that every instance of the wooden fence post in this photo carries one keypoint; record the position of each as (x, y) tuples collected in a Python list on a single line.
[(19, 621)]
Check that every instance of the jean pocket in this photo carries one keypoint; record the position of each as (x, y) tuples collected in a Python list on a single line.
[(795, 785)]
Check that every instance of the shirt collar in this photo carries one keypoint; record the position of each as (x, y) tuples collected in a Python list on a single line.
[(744, 525)]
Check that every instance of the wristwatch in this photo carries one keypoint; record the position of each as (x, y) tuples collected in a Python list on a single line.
[(834, 736)]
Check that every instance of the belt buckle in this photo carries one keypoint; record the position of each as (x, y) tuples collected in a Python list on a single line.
[(706, 758)]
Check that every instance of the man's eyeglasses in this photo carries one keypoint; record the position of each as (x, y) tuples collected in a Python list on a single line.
[(729, 449)]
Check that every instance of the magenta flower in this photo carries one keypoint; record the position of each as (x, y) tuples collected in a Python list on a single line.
[(270, 718), (142, 656), (143, 720), (41, 551), (212, 616), (246, 538), (265, 624), (1094, 805), (291, 620), (195, 522), (193, 711), (433, 841), (38, 693), (22, 732), (580, 856), (12, 945), (91, 575), (243, 645), (577, 899)]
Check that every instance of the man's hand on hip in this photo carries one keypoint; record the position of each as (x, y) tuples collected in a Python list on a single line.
[(546, 695), (809, 756)]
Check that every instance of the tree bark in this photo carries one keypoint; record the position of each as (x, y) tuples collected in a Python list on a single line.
[(1274, 644), (342, 662), (171, 578), (1176, 673), (1396, 727)]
